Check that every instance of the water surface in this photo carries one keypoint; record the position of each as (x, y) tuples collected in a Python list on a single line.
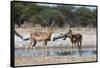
[(52, 52)]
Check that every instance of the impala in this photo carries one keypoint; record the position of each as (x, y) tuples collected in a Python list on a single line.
[(75, 38)]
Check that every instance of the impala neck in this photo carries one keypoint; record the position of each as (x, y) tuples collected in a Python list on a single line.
[(70, 33), (50, 36)]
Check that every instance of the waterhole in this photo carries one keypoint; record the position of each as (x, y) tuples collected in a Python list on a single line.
[(53, 52)]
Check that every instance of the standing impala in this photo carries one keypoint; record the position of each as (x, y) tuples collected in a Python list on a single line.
[(39, 36), (76, 39)]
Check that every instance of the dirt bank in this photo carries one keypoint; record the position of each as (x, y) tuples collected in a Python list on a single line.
[(21, 61)]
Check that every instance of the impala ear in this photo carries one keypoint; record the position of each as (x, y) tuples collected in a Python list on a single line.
[(70, 29)]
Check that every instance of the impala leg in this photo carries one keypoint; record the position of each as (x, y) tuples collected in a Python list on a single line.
[(72, 45), (34, 46), (60, 48), (34, 52), (45, 50), (79, 49), (75, 45), (72, 48), (31, 39), (45, 47), (26, 48), (81, 44), (34, 43), (30, 45)]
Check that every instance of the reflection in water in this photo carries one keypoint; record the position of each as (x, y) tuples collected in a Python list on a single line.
[(52, 52)]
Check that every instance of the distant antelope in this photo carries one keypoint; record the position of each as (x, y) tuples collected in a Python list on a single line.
[(76, 38)]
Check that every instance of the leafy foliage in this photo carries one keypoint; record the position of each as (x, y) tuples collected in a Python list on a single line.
[(58, 15)]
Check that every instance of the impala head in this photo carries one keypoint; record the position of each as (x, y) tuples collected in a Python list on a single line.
[(69, 33)]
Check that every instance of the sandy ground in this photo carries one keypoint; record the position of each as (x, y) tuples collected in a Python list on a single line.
[(21, 61)]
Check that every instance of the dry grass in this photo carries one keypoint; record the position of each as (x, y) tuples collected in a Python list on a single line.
[(89, 34), (20, 61), (56, 29)]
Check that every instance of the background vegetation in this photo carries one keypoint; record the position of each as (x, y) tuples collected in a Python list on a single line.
[(55, 15)]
